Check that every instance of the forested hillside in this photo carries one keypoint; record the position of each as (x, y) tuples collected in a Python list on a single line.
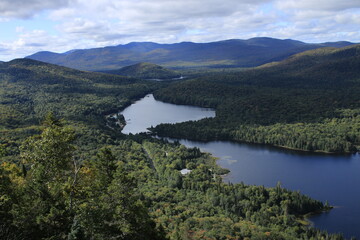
[(146, 71), (76, 178), (309, 102), (30, 89), (134, 190), (227, 53)]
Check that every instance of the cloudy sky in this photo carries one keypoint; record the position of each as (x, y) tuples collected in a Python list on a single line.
[(28, 26)]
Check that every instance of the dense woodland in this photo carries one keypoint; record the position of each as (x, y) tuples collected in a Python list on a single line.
[(146, 71), (30, 89), (310, 102), (134, 190), (76, 178)]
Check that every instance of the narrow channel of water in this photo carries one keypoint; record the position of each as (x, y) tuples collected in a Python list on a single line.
[(334, 178)]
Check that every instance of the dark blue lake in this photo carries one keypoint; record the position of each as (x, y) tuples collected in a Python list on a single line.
[(335, 178)]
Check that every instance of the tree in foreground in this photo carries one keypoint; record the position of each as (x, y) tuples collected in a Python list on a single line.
[(55, 197)]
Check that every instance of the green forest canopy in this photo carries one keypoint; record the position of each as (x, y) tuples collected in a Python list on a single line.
[(78, 179), (309, 102)]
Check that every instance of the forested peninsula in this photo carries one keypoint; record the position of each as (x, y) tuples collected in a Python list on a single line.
[(308, 102)]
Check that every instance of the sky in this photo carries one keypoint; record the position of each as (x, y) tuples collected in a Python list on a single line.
[(29, 26)]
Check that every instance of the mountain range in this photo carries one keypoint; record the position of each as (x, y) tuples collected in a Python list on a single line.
[(227, 53), (309, 101)]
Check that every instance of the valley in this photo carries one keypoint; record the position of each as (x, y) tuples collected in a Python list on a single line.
[(59, 153), (179, 120)]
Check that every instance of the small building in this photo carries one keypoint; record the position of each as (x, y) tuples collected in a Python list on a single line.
[(185, 171)]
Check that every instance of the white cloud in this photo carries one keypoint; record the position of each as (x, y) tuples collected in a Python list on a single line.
[(29, 42), (98, 23), (320, 20), (158, 20), (330, 5), (348, 18), (27, 8)]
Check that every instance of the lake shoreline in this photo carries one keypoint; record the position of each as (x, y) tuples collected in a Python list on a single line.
[(316, 174), (263, 144)]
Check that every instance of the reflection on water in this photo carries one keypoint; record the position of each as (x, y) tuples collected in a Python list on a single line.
[(149, 112)]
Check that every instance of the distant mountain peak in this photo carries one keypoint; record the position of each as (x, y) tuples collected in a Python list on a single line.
[(227, 53)]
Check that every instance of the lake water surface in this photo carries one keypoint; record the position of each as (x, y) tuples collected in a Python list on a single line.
[(335, 178), (148, 112)]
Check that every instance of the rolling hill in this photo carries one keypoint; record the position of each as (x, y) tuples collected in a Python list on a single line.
[(146, 71), (325, 68), (309, 101), (228, 53), (30, 89)]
